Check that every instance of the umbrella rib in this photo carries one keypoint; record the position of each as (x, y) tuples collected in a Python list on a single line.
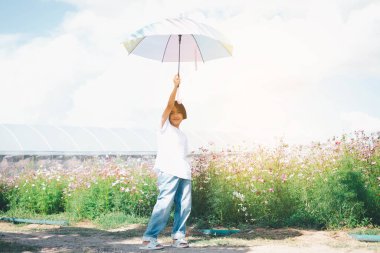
[(137, 45), (196, 42), (163, 56)]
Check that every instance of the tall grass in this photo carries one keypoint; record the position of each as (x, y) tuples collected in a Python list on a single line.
[(324, 185)]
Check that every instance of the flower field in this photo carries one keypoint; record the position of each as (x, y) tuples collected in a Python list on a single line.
[(323, 185)]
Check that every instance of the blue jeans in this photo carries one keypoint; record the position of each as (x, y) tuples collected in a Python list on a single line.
[(172, 189)]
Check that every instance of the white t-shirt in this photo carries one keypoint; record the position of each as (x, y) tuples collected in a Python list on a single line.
[(172, 150)]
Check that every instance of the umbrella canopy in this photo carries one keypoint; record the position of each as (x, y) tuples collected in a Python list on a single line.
[(178, 40)]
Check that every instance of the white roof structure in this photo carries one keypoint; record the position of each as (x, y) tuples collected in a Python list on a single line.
[(46, 139), (17, 139)]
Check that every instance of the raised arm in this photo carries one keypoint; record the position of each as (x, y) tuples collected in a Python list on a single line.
[(171, 101)]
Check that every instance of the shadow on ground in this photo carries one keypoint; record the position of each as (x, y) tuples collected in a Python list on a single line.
[(127, 239), (267, 233)]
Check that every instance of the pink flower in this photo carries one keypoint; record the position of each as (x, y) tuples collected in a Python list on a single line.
[(271, 190), (284, 178)]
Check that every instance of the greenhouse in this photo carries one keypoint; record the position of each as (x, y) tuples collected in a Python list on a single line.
[(69, 140)]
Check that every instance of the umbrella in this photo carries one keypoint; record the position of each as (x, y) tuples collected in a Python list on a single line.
[(178, 40)]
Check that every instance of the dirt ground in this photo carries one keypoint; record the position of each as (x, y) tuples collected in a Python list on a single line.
[(85, 237)]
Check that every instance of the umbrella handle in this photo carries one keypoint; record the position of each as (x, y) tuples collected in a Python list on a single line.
[(179, 51)]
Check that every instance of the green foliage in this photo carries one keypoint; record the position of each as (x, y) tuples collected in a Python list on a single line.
[(137, 198), (340, 198), (39, 195), (331, 185), (4, 199), (334, 185), (90, 202)]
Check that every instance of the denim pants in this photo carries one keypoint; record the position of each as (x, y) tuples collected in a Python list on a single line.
[(172, 189)]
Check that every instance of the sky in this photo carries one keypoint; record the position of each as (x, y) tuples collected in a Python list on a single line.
[(301, 71)]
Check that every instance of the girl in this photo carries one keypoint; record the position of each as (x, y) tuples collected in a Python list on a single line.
[(174, 177)]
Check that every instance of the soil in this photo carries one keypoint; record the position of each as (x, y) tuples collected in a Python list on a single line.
[(86, 237)]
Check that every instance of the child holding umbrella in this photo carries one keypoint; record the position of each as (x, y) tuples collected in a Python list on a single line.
[(174, 176)]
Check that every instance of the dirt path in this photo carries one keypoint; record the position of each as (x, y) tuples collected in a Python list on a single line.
[(85, 237)]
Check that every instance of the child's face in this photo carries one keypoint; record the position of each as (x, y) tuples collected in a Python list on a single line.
[(175, 117)]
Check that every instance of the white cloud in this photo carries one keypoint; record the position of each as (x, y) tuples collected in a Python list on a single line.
[(360, 121), (8, 41), (41, 75), (81, 75)]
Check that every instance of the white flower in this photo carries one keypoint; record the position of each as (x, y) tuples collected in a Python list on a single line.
[(238, 195)]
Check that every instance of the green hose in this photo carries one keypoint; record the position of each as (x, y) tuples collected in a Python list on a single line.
[(366, 238), (49, 222), (219, 232)]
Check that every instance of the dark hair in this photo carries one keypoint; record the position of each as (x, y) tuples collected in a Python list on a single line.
[(181, 109)]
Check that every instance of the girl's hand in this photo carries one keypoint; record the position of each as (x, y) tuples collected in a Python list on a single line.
[(176, 81)]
